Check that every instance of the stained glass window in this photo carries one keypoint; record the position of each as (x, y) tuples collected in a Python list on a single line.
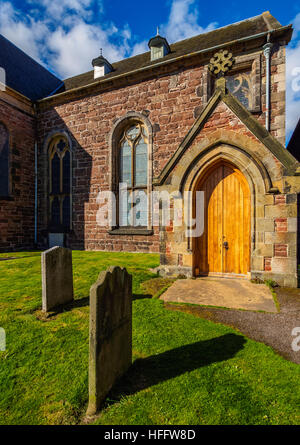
[(133, 205), (141, 167), (55, 167), (55, 211), (66, 172), (133, 132), (4, 161), (141, 208), (126, 159), (239, 84), (66, 211), (125, 207), (60, 185)]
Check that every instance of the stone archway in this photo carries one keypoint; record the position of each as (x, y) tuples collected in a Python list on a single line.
[(224, 247), (186, 176), (272, 253)]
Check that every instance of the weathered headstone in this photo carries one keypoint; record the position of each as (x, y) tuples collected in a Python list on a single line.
[(110, 333), (57, 277)]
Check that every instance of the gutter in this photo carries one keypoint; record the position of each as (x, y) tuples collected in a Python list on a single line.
[(175, 59), (56, 89)]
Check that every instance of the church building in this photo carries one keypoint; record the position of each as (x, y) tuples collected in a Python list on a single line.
[(206, 114)]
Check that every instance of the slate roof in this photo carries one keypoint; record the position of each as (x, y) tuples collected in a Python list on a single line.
[(25, 75), (249, 27), (294, 144), (31, 79)]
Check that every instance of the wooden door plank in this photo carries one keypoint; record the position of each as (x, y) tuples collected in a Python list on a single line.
[(227, 218)]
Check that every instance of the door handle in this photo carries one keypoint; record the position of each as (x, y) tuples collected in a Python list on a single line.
[(225, 245)]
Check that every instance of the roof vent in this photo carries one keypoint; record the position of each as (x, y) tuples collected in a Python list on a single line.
[(159, 47), (101, 66)]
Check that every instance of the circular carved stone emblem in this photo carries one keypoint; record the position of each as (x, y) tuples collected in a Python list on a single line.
[(221, 62)]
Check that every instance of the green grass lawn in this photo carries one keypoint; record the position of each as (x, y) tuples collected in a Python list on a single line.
[(186, 370)]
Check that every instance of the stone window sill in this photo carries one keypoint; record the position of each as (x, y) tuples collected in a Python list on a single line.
[(129, 231)]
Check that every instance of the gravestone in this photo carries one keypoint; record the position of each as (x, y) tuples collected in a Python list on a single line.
[(110, 333), (57, 277)]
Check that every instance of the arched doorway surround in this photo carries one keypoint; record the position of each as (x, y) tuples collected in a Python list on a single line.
[(224, 248)]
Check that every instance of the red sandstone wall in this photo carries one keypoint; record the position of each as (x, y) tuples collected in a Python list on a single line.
[(172, 103), (17, 213)]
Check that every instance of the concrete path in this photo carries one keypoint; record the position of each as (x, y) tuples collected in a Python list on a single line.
[(222, 292), (275, 330)]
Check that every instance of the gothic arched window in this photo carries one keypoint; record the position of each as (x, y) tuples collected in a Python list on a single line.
[(133, 174), (60, 167), (4, 161)]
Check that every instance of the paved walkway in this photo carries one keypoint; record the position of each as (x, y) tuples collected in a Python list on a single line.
[(222, 292), (274, 330)]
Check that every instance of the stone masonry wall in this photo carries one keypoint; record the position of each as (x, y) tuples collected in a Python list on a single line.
[(171, 102), (17, 212), (275, 219)]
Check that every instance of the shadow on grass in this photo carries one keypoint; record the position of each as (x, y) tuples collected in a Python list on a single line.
[(83, 302), (155, 369), (18, 258), (140, 296)]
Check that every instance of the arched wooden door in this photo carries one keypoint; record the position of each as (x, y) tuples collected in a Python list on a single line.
[(224, 248)]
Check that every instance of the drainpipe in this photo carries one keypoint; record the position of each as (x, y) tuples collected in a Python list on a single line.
[(35, 192), (267, 53), (35, 178)]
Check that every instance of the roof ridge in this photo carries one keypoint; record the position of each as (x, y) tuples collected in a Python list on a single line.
[(181, 41), (221, 27), (268, 18)]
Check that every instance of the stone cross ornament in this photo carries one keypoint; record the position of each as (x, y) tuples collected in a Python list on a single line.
[(221, 63)]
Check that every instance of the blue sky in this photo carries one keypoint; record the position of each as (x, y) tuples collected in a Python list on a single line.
[(65, 35)]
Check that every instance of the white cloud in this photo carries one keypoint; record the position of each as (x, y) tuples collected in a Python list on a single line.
[(60, 9), (74, 50), (293, 79), (296, 23), (140, 48), (22, 30), (182, 24), (70, 47), (183, 21), (65, 35)]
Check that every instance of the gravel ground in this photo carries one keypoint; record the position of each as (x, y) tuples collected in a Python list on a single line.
[(274, 330)]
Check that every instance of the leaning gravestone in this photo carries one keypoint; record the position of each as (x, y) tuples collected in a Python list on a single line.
[(110, 333), (57, 277)]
